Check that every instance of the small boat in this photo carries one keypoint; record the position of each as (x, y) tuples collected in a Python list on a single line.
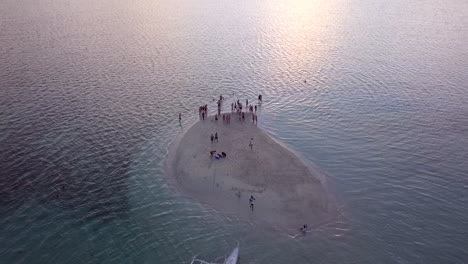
[(232, 259)]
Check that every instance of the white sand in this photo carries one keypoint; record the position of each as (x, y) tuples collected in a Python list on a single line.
[(287, 194)]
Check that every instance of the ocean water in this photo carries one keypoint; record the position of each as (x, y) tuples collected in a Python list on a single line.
[(373, 92)]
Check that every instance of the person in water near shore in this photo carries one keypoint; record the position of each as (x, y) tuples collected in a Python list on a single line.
[(303, 229), (251, 143), (251, 202), (180, 116)]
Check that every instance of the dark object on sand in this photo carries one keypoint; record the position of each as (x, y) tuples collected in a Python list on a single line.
[(220, 156)]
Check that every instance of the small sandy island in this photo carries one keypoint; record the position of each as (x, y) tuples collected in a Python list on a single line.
[(287, 194)]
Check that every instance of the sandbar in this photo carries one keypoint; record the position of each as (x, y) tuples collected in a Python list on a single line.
[(288, 192)]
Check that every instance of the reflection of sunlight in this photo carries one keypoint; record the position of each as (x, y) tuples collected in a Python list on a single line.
[(301, 31)]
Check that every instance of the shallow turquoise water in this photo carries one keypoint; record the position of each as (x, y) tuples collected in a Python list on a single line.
[(89, 97)]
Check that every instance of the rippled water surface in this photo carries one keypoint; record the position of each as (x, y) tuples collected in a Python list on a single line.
[(373, 92)]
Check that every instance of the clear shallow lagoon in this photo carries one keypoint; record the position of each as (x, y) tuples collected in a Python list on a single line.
[(89, 97)]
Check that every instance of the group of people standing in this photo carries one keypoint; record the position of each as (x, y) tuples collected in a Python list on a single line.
[(214, 138), (254, 118), (226, 118), (203, 111), (238, 107)]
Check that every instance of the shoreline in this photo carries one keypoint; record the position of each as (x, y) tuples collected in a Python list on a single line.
[(288, 190)]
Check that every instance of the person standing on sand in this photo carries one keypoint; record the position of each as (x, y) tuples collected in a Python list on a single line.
[(251, 202), (212, 138), (216, 137), (251, 143)]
